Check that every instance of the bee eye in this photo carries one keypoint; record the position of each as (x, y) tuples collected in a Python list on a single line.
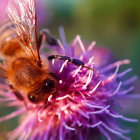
[(48, 86), (50, 83)]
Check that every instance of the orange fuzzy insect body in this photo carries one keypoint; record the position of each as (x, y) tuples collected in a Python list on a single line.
[(23, 68)]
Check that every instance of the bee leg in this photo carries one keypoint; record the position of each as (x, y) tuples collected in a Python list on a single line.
[(18, 95), (74, 61), (48, 37)]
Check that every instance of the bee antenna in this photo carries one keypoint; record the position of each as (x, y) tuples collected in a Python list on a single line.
[(71, 60)]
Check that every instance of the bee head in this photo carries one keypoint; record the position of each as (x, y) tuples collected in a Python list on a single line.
[(48, 87)]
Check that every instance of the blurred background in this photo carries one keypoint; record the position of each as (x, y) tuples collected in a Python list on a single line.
[(114, 24)]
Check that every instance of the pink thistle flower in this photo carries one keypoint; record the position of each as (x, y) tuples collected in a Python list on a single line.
[(86, 104), (42, 11), (3, 15)]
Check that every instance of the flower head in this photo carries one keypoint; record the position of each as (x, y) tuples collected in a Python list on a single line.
[(86, 103)]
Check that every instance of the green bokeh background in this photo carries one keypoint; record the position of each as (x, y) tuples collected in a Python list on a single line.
[(114, 24)]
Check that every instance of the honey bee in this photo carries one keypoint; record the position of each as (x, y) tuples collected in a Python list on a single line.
[(24, 69)]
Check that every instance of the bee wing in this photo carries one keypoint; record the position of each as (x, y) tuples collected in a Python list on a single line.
[(23, 14)]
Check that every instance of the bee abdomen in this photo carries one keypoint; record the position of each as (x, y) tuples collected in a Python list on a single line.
[(10, 48), (9, 44)]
